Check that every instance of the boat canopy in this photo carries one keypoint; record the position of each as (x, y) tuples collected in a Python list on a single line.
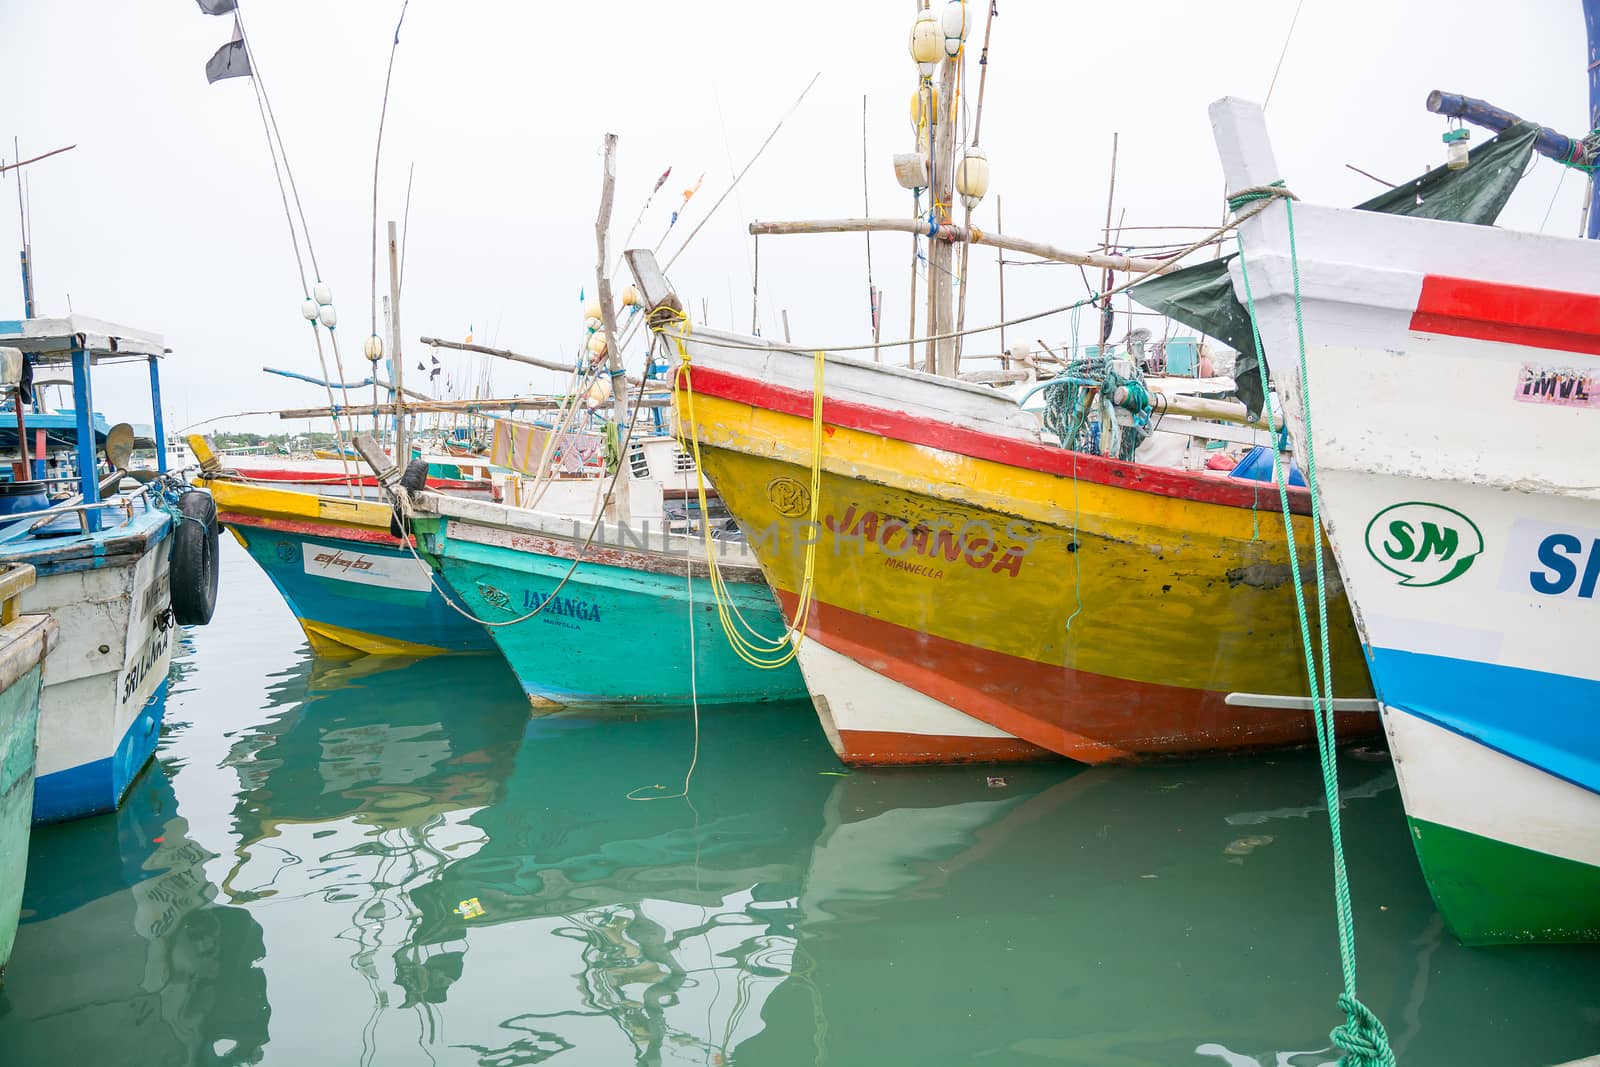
[(54, 340), (1202, 296)]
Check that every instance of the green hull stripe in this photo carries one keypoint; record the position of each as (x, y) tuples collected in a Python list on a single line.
[(1491, 892)]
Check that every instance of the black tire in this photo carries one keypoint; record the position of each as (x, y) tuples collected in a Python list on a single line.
[(414, 480), (193, 562)]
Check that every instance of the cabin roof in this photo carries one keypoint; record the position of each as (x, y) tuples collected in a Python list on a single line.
[(54, 340)]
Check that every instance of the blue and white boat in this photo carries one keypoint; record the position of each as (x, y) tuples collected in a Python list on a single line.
[(106, 563)]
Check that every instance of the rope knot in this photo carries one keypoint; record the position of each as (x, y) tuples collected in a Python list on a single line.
[(1274, 191), (1361, 1037)]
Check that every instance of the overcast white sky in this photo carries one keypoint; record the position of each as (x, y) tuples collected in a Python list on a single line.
[(167, 215)]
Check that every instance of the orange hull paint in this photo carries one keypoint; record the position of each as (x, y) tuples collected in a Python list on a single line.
[(963, 575)]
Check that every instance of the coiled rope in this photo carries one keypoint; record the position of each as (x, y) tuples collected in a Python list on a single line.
[(1361, 1037), (749, 644)]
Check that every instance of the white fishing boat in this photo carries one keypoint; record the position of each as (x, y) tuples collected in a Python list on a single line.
[(118, 570), (1440, 380)]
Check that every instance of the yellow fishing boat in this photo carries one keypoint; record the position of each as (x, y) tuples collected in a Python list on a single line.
[(963, 590)]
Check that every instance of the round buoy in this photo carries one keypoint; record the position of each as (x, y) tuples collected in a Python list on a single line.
[(194, 559)]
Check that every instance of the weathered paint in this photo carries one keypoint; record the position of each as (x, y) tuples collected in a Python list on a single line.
[(1105, 617), (616, 631), (105, 676), (23, 643), (1419, 335), (345, 614)]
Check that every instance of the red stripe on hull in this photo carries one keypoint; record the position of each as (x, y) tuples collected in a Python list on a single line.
[(309, 529), (274, 474), (1509, 314), (1088, 717), (947, 437)]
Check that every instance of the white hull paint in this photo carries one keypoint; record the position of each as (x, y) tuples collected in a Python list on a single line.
[(110, 658), (1463, 509), (1442, 780), (851, 698)]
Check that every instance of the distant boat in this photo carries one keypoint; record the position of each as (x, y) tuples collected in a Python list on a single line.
[(24, 639), (448, 474)]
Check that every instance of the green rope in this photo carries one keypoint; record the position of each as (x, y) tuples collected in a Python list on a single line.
[(1582, 146), (1261, 192), (1361, 1037)]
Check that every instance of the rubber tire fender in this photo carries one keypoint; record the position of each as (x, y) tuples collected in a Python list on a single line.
[(194, 558), (414, 480)]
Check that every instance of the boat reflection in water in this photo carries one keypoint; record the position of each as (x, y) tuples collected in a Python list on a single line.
[(358, 791), (126, 954), (413, 871)]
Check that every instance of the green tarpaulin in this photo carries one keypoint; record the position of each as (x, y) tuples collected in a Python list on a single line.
[(1202, 296)]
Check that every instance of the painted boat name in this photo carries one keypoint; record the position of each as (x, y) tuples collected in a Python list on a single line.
[(975, 544), (140, 669)]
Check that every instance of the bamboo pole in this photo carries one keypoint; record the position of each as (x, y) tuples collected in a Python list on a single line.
[(941, 256), (402, 442), (866, 205), (1106, 317), (619, 381), (467, 407), (506, 354), (977, 133), (1000, 266), (946, 234)]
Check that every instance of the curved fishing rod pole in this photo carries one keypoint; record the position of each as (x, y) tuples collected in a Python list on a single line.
[(792, 108)]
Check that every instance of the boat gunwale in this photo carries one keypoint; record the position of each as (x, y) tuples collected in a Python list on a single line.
[(932, 431)]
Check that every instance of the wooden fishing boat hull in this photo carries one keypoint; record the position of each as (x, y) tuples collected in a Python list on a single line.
[(1450, 377), (629, 626), (980, 596), (24, 640), (326, 474), (353, 587), (105, 688)]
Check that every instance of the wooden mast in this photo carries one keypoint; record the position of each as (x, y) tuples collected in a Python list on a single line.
[(941, 254), (402, 450), (619, 383)]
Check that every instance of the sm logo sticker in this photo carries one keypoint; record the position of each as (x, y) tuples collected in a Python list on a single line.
[(1425, 544)]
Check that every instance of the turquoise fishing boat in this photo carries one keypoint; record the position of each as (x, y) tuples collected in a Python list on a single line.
[(354, 589), (24, 639), (596, 611)]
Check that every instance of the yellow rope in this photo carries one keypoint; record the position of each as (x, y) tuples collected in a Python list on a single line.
[(751, 646)]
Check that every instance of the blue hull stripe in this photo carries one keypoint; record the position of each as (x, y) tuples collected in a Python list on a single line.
[(98, 787), (1548, 721), (417, 616)]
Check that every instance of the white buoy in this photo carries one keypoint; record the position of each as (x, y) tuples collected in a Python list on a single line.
[(927, 43), (954, 24), (327, 316)]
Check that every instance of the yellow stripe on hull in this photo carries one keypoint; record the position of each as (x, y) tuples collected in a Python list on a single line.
[(273, 503), (1097, 621), (329, 640)]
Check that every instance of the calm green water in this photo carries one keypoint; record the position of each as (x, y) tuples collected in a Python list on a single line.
[(393, 864)]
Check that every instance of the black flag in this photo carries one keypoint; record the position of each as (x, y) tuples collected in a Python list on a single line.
[(231, 60), (218, 7)]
